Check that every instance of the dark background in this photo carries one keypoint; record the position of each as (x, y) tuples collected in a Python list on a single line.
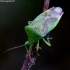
[(13, 19)]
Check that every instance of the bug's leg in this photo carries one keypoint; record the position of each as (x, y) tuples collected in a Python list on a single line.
[(48, 37), (47, 42), (29, 22), (37, 47), (25, 45)]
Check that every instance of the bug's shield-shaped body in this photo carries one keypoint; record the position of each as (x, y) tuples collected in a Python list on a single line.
[(43, 24)]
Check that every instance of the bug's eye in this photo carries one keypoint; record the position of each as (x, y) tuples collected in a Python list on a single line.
[(30, 21)]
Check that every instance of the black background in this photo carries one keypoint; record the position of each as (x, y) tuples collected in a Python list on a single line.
[(13, 19)]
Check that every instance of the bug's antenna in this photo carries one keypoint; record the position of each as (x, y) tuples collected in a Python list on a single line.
[(13, 48)]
